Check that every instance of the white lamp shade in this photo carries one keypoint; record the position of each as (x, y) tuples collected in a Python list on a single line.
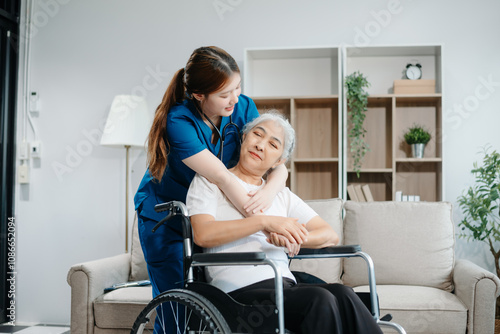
[(128, 122)]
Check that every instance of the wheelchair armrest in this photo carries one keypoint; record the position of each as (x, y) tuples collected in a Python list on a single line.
[(228, 257), (343, 249)]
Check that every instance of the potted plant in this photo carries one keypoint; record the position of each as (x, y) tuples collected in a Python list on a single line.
[(480, 205), (417, 136), (357, 102)]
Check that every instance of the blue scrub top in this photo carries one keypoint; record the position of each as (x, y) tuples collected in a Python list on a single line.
[(188, 134)]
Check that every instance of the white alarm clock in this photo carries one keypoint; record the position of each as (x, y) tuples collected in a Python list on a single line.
[(413, 72)]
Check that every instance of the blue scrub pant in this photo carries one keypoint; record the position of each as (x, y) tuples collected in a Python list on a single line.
[(163, 252)]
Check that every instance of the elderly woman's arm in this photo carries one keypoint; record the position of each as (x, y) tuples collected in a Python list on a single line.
[(208, 232), (320, 235)]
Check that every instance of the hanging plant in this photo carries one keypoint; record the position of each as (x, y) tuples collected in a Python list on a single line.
[(357, 102)]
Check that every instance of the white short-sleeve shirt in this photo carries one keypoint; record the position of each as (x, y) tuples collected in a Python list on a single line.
[(206, 198)]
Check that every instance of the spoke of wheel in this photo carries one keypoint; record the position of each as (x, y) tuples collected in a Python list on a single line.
[(176, 318), (186, 321), (160, 318)]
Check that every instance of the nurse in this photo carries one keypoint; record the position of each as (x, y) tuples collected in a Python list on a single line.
[(196, 129)]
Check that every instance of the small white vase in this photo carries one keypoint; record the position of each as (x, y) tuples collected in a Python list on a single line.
[(417, 150)]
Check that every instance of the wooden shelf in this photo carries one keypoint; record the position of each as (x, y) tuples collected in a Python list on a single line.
[(380, 183), (314, 167), (389, 166), (315, 160), (283, 105), (419, 160), (408, 96), (306, 85), (423, 179), (316, 127), (373, 170), (292, 71), (318, 180)]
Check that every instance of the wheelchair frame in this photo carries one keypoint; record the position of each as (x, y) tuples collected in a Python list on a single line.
[(191, 261)]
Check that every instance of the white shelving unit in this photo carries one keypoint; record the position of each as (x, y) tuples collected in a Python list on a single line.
[(388, 167), (306, 84)]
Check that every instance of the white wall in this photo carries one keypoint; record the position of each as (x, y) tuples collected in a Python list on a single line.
[(86, 52)]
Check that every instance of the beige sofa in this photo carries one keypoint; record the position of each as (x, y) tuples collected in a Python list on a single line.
[(419, 280)]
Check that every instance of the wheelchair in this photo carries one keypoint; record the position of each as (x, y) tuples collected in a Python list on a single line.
[(200, 307)]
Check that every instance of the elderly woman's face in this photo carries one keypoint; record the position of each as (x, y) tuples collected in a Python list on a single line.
[(263, 145)]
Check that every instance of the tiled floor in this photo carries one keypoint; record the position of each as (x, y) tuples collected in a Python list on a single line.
[(34, 329)]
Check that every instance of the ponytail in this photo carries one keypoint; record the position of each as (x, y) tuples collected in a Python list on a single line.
[(206, 71), (158, 147)]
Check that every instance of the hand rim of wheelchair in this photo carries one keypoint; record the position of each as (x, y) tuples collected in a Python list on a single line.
[(200, 309)]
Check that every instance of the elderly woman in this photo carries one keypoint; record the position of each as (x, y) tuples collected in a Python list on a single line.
[(219, 227)]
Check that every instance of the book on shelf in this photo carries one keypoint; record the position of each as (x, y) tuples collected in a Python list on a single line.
[(352, 193), (359, 193), (367, 192)]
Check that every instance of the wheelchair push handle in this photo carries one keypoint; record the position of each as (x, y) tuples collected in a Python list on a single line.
[(175, 208), (171, 206)]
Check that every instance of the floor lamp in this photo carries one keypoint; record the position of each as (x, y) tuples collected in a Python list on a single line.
[(127, 126)]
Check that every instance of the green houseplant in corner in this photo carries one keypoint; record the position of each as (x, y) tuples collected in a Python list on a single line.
[(357, 102), (480, 205), (417, 137)]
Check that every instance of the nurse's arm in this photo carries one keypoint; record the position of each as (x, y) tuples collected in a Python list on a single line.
[(209, 166), (263, 198)]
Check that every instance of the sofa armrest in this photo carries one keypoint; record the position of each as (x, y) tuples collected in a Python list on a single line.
[(87, 281), (478, 289)]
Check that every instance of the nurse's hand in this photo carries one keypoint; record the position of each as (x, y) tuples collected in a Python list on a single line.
[(263, 198), (260, 200)]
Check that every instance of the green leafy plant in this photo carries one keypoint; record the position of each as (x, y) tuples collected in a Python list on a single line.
[(417, 134), (480, 205), (357, 102)]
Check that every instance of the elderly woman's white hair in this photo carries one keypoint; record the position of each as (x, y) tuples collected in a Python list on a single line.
[(275, 116)]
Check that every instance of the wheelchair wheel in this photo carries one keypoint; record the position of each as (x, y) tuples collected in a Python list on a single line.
[(191, 312)]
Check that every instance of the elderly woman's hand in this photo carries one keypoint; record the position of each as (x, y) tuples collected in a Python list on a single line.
[(280, 241), (289, 228)]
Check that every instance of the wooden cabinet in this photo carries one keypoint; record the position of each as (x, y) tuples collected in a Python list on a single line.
[(303, 84), (314, 167), (389, 167), (306, 84)]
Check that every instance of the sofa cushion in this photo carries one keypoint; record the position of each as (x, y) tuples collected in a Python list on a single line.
[(411, 243), (138, 268), (328, 270), (421, 309), (120, 308)]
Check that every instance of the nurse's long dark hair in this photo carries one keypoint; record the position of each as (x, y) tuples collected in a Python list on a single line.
[(206, 71)]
